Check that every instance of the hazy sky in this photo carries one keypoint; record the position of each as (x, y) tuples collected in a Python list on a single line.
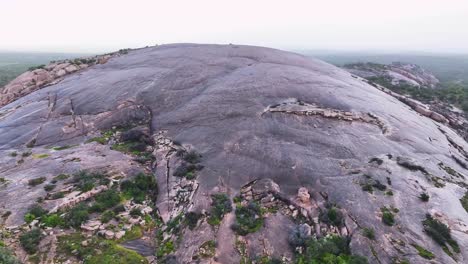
[(105, 25)]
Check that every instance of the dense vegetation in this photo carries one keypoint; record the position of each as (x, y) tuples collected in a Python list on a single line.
[(221, 205), (450, 92), (330, 249)]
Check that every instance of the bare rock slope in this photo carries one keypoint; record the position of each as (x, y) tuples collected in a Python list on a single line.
[(296, 145)]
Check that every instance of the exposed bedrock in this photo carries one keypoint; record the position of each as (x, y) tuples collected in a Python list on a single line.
[(337, 139)]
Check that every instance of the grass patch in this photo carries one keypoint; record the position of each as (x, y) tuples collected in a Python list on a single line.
[(62, 147), (40, 156), (98, 251), (36, 181), (220, 206), (134, 233), (423, 252)]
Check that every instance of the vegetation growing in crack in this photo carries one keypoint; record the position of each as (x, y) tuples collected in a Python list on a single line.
[(369, 233), (423, 252), (388, 217), (36, 181), (190, 165), (464, 201), (440, 233), (221, 205), (332, 215)]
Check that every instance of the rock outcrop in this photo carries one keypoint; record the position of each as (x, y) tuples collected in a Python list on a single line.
[(296, 146)]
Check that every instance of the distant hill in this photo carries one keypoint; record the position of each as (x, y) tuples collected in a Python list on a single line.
[(447, 68), (13, 64)]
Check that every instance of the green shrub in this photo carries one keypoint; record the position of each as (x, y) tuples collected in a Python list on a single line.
[(107, 216), (36, 181), (57, 195), (86, 181), (440, 233), (191, 219), (52, 220), (424, 197), (141, 187), (464, 201), (248, 219), (192, 157), (34, 212), (49, 187), (220, 206), (105, 200), (30, 240), (332, 216), (387, 216), (77, 215), (330, 249), (369, 233), (165, 248), (6, 257), (135, 212)]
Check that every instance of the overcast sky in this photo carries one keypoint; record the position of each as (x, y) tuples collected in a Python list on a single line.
[(106, 25)]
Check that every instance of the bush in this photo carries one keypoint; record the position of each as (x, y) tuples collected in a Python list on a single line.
[(34, 212), (387, 216), (424, 197), (332, 216), (77, 215), (369, 233), (105, 200), (464, 201), (140, 187), (298, 236), (330, 249), (440, 233), (192, 157), (36, 181), (248, 219), (49, 187), (135, 212), (30, 240), (6, 257), (107, 216), (86, 181), (52, 220), (191, 219), (220, 206)]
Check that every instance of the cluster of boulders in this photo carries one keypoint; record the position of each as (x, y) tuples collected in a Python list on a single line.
[(111, 230), (50, 74), (302, 207)]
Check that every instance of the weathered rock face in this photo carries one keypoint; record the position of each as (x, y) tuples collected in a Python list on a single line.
[(253, 113)]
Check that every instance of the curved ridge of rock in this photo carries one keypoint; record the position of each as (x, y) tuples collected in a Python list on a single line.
[(233, 104)]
